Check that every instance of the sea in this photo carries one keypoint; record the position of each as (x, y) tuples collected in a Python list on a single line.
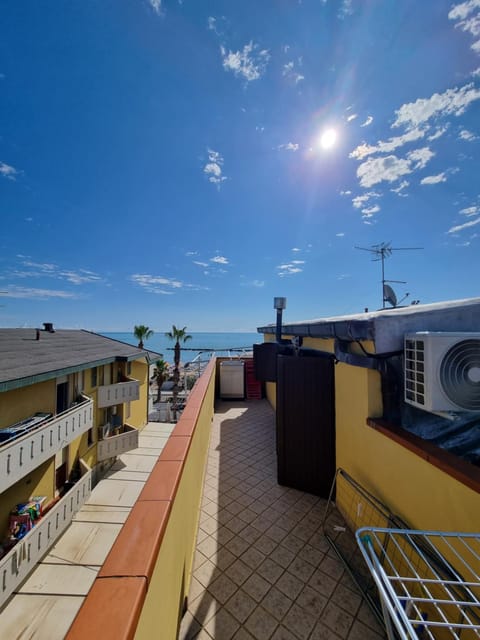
[(200, 347)]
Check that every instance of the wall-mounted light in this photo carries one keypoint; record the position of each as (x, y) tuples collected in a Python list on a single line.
[(279, 304)]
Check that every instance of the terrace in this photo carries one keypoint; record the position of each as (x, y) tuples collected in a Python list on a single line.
[(191, 536), (244, 558)]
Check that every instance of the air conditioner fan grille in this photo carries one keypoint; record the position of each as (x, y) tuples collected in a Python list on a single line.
[(460, 374)]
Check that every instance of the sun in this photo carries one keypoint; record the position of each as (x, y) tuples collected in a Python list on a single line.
[(328, 139)]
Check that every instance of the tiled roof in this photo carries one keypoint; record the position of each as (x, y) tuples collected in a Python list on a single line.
[(26, 360)]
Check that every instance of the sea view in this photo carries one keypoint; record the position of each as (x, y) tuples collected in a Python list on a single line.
[(221, 343)]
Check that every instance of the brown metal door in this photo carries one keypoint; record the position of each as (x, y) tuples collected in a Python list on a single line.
[(306, 422)]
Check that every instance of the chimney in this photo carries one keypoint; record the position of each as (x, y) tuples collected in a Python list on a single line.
[(37, 335), (48, 326)]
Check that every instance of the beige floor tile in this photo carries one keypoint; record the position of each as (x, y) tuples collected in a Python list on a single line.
[(223, 625), (84, 543), (222, 588), (290, 585), (54, 579), (256, 587), (97, 513), (116, 493), (311, 600), (241, 605), (337, 619), (253, 558), (276, 603), (39, 617), (261, 624), (238, 571), (270, 570), (299, 621), (283, 634), (347, 599)]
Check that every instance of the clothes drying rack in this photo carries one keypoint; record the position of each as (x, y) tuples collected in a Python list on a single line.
[(428, 581)]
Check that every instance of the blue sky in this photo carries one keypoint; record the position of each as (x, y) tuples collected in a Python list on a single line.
[(161, 161)]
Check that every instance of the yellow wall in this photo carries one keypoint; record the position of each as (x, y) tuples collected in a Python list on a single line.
[(171, 577), (410, 486), (41, 482), (138, 409), (21, 403)]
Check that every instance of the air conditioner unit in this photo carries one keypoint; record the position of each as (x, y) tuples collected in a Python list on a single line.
[(442, 371)]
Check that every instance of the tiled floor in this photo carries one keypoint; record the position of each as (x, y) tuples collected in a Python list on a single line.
[(263, 569)]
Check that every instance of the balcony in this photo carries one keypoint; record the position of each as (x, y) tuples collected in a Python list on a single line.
[(22, 558), (111, 394), (117, 444), (21, 455)]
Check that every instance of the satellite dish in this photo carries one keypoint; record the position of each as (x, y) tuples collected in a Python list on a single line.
[(389, 295)]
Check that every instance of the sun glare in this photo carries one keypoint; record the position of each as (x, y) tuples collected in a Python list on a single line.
[(328, 138)]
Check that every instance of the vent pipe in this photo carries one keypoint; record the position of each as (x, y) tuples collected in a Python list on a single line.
[(279, 304)]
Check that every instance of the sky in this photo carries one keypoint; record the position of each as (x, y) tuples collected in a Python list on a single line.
[(182, 162)]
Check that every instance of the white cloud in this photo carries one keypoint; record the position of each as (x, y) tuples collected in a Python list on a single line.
[(340, 235), (8, 172), (390, 145), (351, 117), (367, 122), (289, 146), (438, 133), (476, 72), (451, 102), (440, 177), (466, 225), (391, 168), (369, 212), (470, 211), (200, 264), (346, 192), (468, 23), (420, 157), (254, 283), (250, 63), (213, 168), (375, 170), (290, 72), (462, 11), (466, 135), (295, 249), (37, 294), (156, 6), (289, 268), (398, 190), (298, 262), (156, 284), (219, 260), (50, 270), (359, 201)]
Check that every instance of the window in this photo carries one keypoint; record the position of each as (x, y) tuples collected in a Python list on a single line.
[(129, 368), (94, 377)]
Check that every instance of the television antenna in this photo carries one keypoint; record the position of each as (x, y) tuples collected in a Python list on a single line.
[(380, 252)]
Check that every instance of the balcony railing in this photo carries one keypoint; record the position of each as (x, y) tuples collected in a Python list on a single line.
[(22, 558), (115, 445), (22, 455), (112, 394)]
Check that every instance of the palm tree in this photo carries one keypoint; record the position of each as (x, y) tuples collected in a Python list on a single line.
[(161, 374), (141, 333), (179, 335)]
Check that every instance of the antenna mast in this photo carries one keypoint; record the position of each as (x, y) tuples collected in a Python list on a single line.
[(381, 251)]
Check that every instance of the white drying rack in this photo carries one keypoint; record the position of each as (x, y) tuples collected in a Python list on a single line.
[(428, 581)]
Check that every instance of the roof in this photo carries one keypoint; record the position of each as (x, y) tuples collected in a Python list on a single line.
[(387, 326), (24, 360)]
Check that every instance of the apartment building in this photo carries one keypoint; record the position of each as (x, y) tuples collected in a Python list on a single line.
[(70, 402)]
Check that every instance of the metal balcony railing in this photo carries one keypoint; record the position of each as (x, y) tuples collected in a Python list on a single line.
[(22, 455), (112, 394)]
